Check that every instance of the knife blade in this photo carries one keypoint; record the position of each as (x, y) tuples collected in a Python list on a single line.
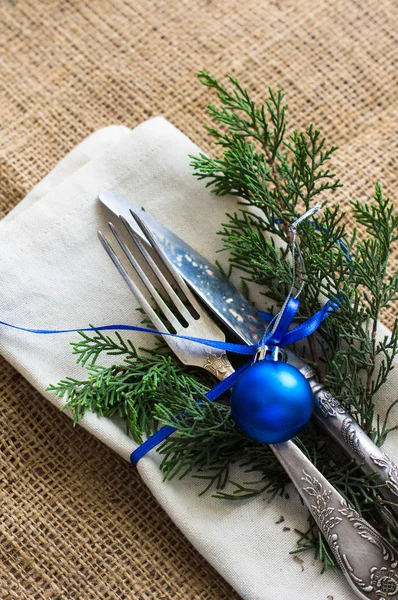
[(223, 299)]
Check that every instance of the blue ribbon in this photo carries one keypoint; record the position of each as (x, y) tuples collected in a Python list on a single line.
[(164, 432), (282, 336)]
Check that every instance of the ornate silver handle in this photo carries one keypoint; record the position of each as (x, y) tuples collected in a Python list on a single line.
[(342, 427), (367, 560), (346, 431)]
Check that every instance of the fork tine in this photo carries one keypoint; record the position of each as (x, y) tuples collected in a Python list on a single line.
[(168, 264), (166, 285), (142, 301), (170, 316)]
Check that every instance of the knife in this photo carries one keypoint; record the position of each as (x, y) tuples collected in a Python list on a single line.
[(223, 299)]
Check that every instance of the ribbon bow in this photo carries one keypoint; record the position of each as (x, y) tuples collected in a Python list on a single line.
[(279, 336)]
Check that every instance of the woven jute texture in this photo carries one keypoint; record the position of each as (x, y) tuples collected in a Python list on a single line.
[(75, 521)]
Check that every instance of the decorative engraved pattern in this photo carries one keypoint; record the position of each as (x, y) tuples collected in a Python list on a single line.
[(367, 532), (349, 435), (329, 405), (218, 365), (386, 463), (383, 580), (322, 511), (360, 583)]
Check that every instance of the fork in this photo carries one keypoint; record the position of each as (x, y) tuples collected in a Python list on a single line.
[(367, 560)]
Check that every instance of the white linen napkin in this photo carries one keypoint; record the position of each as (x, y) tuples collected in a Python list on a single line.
[(54, 274)]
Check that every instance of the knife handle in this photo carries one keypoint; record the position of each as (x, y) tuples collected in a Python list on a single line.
[(342, 427), (367, 560)]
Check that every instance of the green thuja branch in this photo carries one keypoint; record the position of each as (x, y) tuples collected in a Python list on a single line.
[(131, 389), (91, 346), (276, 177), (279, 176)]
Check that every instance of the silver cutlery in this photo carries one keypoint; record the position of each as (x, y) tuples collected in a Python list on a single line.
[(367, 560), (243, 319)]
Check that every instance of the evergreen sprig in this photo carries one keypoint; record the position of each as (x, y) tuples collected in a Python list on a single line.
[(131, 389), (276, 177), (344, 267)]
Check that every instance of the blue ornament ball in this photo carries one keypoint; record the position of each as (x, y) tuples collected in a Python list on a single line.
[(271, 401)]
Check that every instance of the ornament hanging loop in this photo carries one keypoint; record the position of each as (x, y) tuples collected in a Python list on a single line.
[(295, 247), (306, 215)]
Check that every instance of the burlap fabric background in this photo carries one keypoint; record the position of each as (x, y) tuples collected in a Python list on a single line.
[(76, 522)]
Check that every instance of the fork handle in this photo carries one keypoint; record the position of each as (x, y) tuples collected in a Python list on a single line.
[(367, 560), (342, 427)]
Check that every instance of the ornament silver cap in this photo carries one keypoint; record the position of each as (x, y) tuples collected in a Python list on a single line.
[(273, 352)]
